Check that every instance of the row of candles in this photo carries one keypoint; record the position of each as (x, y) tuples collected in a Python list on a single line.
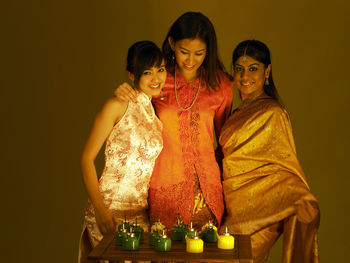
[(129, 236)]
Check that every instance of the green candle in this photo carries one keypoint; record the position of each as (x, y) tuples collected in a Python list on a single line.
[(163, 243), (131, 242), (209, 234)]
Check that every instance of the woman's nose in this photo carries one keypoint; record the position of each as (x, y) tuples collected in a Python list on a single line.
[(190, 60)]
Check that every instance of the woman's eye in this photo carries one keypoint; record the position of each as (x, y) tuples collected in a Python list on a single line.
[(238, 69), (253, 69), (161, 70), (183, 52), (146, 73), (199, 54)]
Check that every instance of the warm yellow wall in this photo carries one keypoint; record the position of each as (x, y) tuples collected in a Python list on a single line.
[(62, 59)]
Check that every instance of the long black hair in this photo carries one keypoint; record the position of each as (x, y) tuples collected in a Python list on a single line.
[(260, 52), (193, 25), (143, 55)]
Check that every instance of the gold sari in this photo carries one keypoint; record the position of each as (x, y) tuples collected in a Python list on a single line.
[(266, 193)]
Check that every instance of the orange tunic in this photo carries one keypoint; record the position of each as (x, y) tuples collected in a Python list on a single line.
[(265, 189), (188, 149)]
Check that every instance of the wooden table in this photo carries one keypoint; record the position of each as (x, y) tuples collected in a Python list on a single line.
[(108, 250)]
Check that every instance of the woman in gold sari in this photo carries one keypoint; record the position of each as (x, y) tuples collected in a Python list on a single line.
[(266, 193)]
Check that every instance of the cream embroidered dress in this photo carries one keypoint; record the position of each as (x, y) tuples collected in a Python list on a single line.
[(130, 153)]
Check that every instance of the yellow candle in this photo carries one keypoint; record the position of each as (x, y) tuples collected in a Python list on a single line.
[(194, 244), (226, 241)]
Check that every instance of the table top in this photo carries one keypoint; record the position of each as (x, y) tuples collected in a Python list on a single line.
[(108, 250)]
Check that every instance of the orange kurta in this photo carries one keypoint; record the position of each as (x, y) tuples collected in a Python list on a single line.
[(265, 189), (188, 149)]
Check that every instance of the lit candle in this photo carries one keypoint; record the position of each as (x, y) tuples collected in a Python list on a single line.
[(194, 244), (226, 241), (209, 234), (131, 242), (120, 235), (163, 243), (190, 232), (138, 230)]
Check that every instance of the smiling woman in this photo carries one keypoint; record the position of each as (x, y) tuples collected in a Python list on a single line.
[(132, 134), (265, 189), (195, 101), (190, 54)]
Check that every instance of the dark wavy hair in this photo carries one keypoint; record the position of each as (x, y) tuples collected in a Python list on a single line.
[(193, 25), (260, 52), (143, 55)]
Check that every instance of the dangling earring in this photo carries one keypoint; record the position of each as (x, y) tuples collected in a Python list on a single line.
[(267, 81)]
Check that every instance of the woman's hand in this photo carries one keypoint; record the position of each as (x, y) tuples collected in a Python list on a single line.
[(105, 221), (125, 92)]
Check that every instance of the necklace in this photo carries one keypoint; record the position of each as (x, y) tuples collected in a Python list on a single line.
[(195, 97), (245, 103)]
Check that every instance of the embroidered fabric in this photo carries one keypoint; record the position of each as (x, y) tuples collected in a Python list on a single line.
[(188, 149), (264, 184), (130, 153)]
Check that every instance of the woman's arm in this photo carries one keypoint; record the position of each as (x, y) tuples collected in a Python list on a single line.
[(221, 114), (111, 113)]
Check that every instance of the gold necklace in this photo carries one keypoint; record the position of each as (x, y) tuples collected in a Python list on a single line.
[(247, 102), (195, 98)]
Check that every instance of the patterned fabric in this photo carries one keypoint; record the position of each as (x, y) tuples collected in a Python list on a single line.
[(265, 189), (188, 149), (131, 149)]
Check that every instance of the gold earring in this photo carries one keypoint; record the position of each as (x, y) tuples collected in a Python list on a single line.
[(267, 81)]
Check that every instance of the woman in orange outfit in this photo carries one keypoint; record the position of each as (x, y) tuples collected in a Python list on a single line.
[(196, 100)]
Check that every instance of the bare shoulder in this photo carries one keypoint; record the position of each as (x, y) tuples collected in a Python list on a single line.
[(114, 108)]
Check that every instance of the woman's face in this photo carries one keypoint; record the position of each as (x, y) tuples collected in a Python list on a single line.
[(152, 80), (189, 54), (249, 76)]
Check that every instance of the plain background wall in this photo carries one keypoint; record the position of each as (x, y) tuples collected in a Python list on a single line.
[(60, 60)]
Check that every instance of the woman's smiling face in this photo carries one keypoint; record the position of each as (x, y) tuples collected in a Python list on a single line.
[(189, 54), (249, 77)]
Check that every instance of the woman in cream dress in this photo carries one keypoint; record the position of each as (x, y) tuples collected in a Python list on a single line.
[(133, 137)]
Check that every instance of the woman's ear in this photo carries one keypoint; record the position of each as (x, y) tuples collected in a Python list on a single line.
[(131, 76), (171, 43)]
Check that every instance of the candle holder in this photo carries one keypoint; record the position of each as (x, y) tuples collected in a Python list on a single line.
[(194, 244), (138, 230), (226, 241), (154, 235), (209, 233), (120, 235), (178, 231), (163, 243), (188, 233), (125, 223), (131, 242)]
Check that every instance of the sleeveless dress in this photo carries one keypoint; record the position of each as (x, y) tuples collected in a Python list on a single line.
[(130, 153)]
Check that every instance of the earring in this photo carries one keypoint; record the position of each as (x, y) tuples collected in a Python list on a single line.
[(267, 81)]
